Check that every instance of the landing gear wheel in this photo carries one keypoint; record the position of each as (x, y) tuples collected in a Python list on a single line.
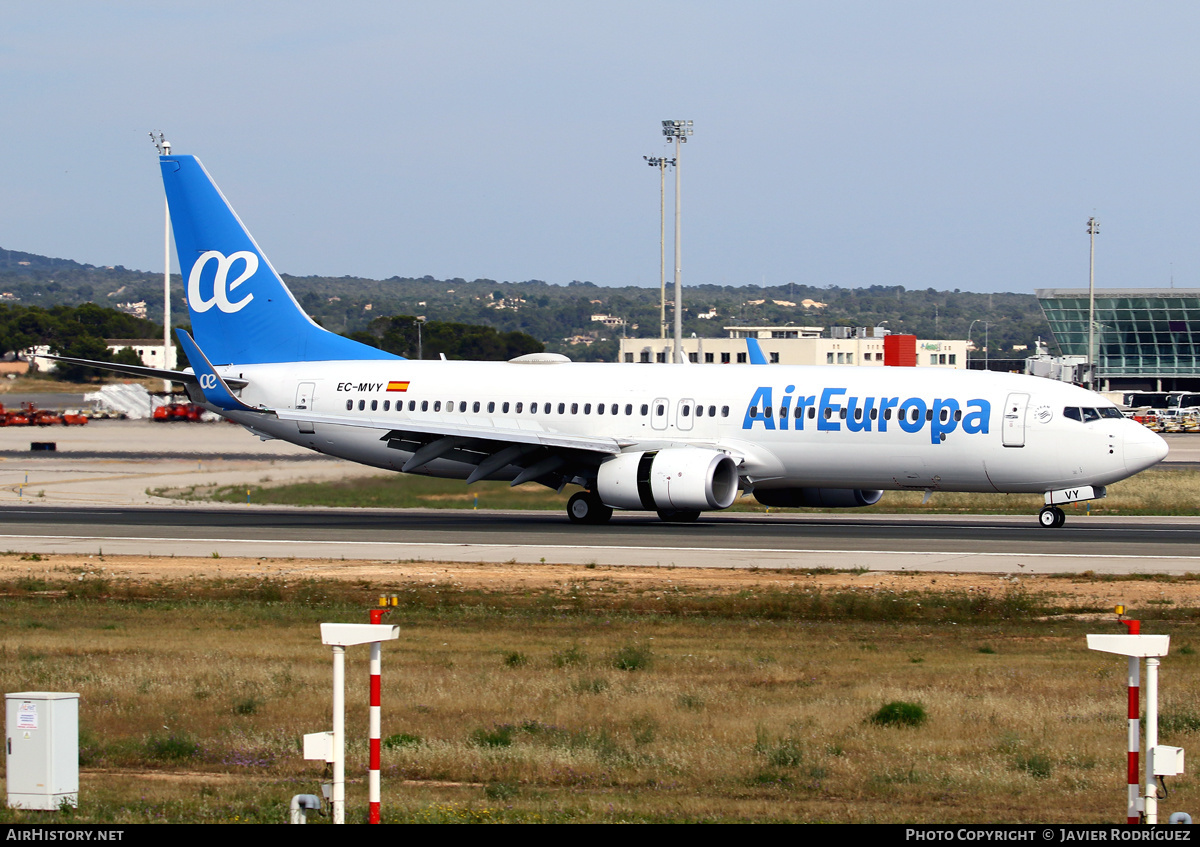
[(678, 515), (1052, 517), (585, 507)]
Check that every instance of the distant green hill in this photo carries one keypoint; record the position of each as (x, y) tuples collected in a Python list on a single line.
[(552, 313)]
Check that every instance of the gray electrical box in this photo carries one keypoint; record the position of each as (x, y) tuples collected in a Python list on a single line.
[(41, 731)]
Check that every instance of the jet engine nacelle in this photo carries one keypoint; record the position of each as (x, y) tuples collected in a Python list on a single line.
[(676, 479), (826, 498)]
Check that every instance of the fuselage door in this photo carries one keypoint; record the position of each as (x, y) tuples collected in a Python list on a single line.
[(1014, 420), (304, 398), (683, 414), (658, 413)]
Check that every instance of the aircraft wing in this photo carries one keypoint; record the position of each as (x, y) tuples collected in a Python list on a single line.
[(606, 446), (549, 458)]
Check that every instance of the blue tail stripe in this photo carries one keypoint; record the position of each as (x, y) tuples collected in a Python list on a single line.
[(241, 311)]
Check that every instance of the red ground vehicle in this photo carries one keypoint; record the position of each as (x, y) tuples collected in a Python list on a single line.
[(40, 417), (8, 418), (30, 415), (178, 412)]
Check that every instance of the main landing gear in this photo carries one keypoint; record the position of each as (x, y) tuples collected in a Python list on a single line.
[(585, 507), (1052, 517)]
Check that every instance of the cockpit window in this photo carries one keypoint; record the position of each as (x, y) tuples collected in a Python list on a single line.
[(1087, 415)]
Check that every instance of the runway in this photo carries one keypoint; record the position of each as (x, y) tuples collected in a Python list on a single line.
[(1003, 544), (92, 496)]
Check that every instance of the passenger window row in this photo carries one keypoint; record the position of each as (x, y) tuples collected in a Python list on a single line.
[(843, 413), (518, 408)]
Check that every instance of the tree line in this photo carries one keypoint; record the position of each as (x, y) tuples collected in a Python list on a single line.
[(552, 314), (82, 332)]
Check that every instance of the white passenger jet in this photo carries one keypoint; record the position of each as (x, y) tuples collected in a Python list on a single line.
[(675, 439)]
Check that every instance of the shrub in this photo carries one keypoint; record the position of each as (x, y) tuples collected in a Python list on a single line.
[(632, 658), (173, 748), (247, 706), (571, 656), (1037, 765), (499, 736), (402, 739), (899, 713)]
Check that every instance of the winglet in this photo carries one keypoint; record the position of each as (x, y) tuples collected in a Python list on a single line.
[(756, 352), (216, 392)]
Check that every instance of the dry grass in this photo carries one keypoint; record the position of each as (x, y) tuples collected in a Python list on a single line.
[(660, 703)]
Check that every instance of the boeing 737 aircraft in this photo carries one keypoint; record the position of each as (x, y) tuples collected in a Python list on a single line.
[(675, 439)]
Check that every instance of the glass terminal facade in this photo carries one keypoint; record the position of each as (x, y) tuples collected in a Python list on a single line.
[(1146, 338)]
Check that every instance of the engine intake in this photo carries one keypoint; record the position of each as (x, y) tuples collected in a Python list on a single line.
[(826, 498), (679, 478)]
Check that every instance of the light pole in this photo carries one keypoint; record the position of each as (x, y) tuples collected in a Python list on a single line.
[(986, 326), (418, 321), (164, 149), (1093, 227), (679, 130), (662, 164)]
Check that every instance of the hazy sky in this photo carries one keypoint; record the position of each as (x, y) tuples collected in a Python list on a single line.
[(928, 144)]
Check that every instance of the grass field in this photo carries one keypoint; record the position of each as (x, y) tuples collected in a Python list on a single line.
[(597, 700), (1154, 492)]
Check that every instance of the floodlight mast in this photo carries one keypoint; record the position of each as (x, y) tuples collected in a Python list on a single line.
[(1093, 228), (678, 130), (662, 164), (164, 149)]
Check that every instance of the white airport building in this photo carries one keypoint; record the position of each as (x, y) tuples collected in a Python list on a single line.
[(796, 345)]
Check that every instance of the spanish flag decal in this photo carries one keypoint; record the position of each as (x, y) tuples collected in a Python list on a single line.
[(397, 386)]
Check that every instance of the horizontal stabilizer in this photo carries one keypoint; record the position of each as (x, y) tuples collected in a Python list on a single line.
[(182, 377)]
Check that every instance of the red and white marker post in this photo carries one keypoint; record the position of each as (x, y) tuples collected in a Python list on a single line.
[(376, 708), (1132, 772), (333, 749), (1137, 647)]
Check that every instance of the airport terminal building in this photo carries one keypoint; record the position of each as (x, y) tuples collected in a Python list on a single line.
[(1147, 339)]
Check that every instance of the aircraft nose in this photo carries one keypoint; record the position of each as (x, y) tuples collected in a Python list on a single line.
[(1143, 448)]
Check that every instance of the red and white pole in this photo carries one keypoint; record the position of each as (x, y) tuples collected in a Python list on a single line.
[(1134, 715), (1133, 776), (376, 686)]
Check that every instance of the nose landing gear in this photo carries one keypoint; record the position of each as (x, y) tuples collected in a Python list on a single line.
[(1052, 517)]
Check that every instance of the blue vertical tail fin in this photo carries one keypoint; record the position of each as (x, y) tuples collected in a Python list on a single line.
[(241, 311)]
